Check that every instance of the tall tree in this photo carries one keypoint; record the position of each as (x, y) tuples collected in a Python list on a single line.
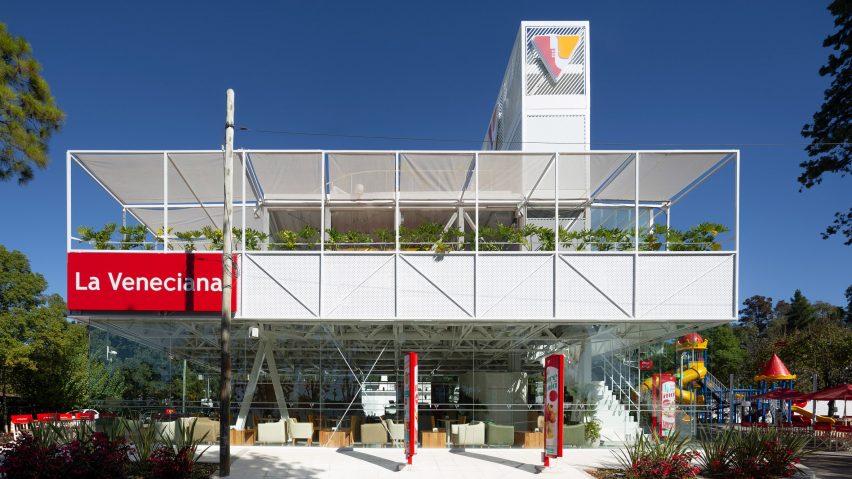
[(830, 131), (801, 313), (757, 310), (28, 114), (849, 305), (725, 353)]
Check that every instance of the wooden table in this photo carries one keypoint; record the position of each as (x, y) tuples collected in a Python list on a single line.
[(529, 440), (243, 437), (340, 438), (433, 439)]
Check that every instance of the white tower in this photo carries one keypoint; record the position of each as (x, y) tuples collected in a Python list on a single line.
[(543, 103)]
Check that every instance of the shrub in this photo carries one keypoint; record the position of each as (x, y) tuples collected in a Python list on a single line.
[(166, 463), (92, 457), (755, 454), (657, 458)]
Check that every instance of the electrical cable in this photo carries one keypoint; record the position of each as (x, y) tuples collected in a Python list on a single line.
[(459, 140)]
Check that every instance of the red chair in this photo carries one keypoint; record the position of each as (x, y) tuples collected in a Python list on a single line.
[(822, 434), (64, 417), (20, 423), (762, 425), (47, 417), (86, 416), (745, 424)]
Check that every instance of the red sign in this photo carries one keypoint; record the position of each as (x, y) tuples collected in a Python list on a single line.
[(663, 420), (125, 281), (554, 378), (409, 394), (646, 364)]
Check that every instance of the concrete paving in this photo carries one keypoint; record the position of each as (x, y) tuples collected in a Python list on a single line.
[(829, 465), (324, 463)]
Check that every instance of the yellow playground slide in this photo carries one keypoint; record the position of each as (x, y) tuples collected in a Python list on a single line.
[(695, 371), (809, 415)]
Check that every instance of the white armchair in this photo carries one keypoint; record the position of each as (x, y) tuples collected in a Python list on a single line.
[(300, 430), (397, 431), (274, 432), (471, 434)]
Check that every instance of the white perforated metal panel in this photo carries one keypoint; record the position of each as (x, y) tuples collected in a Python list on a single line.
[(280, 286), (594, 286), (358, 286), (685, 286), (436, 286), (515, 286)]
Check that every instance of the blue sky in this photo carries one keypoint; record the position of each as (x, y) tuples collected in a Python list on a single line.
[(133, 75)]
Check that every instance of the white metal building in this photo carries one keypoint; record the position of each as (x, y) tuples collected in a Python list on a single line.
[(483, 262)]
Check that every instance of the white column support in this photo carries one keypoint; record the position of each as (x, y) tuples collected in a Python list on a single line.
[(635, 230), (737, 237), (248, 396), (244, 160), (476, 233), (556, 228), (165, 201), (276, 380), (264, 351), (67, 201)]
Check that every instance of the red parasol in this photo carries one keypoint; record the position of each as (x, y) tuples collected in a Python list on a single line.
[(837, 393)]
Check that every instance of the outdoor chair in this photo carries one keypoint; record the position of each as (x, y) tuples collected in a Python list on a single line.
[(574, 435), (300, 430), (843, 436), (206, 429), (472, 434), (355, 428), (497, 435), (822, 435), (275, 432), (372, 434), (47, 417), (21, 423), (396, 431), (166, 429)]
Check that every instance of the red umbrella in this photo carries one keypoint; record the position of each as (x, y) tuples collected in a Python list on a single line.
[(837, 393), (783, 394)]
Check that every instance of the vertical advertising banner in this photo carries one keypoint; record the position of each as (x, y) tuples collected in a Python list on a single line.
[(554, 378), (667, 405), (409, 394)]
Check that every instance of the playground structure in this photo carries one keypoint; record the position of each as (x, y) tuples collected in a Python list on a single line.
[(715, 402), (695, 386)]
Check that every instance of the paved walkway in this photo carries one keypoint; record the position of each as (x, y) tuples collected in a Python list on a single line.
[(324, 463), (829, 465)]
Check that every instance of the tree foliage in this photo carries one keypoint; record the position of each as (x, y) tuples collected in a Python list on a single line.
[(830, 131), (28, 114), (758, 311)]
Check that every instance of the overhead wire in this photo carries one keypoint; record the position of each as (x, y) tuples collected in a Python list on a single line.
[(460, 140)]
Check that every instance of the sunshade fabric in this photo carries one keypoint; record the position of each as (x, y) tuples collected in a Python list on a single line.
[(361, 176), (436, 176), (134, 178), (198, 177), (512, 176), (188, 219), (288, 176)]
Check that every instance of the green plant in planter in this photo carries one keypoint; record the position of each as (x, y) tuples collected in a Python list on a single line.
[(100, 239), (253, 238), (214, 236), (309, 236), (592, 431), (613, 239), (649, 237), (134, 237), (385, 237), (332, 239), (288, 240), (357, 239), (188, 237)]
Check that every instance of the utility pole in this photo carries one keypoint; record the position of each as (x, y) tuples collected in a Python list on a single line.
[(227, 270)]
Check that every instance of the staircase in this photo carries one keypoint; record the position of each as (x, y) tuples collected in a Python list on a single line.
[(618, 425)]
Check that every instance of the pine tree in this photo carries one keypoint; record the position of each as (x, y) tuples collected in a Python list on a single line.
[(28, 114), (801, 313), (830, 131)]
